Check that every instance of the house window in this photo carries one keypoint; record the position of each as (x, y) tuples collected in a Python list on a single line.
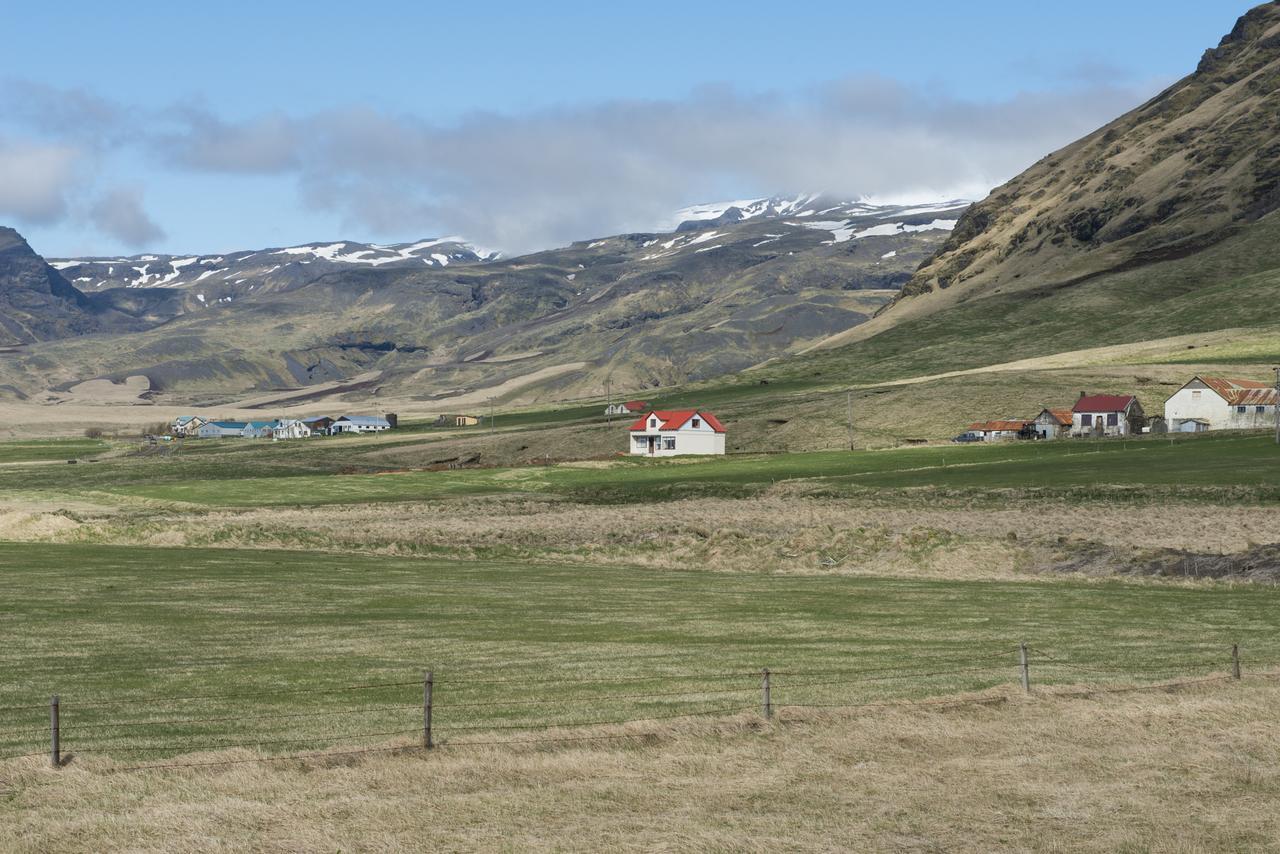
[(640, 441), (653, 422), (1242, 409), (1086, 420), (697, 422), (1113, 418), (1260, 409), (1195, 395), (669, 444)]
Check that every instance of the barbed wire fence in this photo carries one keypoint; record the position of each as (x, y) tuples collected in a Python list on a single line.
[(429, 713)]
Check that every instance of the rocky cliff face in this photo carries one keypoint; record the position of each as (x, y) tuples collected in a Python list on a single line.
[(36, 302), (1183, 171)]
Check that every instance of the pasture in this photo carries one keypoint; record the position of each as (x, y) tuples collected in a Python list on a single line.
[(164, 652)]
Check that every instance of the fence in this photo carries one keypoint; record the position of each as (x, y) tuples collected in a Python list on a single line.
[(428, 713)]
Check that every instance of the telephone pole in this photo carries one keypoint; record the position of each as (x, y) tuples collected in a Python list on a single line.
[(608, 394), (851, 420), (1278, 405)]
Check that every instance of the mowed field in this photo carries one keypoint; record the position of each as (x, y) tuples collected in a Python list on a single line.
[(573, 707)]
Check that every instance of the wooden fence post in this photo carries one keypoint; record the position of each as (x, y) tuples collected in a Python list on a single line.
[(428, 684), (766, 699), (1026, 669), (55, 743), (1235, 661)]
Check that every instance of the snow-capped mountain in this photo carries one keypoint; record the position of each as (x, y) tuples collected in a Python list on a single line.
[(808, 205), (309, 260)]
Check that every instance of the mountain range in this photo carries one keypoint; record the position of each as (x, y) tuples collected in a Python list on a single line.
[(729, 286)]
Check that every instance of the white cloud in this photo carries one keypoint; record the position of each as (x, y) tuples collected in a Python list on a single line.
[(36, 179)]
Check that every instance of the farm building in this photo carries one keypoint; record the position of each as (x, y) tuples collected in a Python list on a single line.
[(994, 431), (456, 421), (257, 429), (290, 428), (1218, 403), (1052, 423), (186, 425), (318, 424), (1107, 415), (222, 430), (359, 424), (631, 407), (673, 433)]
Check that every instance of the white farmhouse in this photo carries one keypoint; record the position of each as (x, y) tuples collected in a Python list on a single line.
[(1107, 415), (1218, 403), (290, 428), (673, 433), (186, 425)]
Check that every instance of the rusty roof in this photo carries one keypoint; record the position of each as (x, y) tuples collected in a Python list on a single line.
[(1062, 416), (989, 426), (1241, 392)]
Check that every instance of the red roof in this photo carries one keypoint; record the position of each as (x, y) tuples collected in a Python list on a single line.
[(636, 405), (1103, 403), (675, 419)]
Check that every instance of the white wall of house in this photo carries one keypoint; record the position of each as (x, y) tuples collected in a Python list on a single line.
[(689, 439), (1197, 400), (1082, 423)]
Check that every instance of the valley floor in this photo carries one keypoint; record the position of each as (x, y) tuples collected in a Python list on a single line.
[(214, 617)]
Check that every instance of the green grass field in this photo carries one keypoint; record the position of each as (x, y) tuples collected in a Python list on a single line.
[(264, 642), (38, 450), (1152, 467)]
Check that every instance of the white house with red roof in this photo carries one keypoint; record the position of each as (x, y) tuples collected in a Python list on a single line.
[(1107, 415), (1218, 403), (673, 433)]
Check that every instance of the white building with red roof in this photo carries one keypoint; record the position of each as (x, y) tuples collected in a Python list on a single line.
[(1218, 403), (672, 433), (1107, 415)]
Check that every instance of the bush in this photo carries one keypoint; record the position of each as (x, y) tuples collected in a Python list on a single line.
[(93, 432)]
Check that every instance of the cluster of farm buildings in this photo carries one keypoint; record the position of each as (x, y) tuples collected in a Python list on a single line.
[(1204, 403), (198, 427)]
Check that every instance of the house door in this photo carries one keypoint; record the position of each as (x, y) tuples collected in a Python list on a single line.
[(653, 445)]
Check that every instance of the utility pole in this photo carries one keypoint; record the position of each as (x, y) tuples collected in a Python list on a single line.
[(491, 416), (851, 420), (608, 395), (1278, 406)]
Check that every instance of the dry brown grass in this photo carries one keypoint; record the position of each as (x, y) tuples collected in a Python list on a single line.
[(1192, 770), (779, 533)]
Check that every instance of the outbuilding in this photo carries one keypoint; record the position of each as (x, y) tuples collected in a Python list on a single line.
[(221, 429), (359, 424), (1219, 403), (1052, 423)]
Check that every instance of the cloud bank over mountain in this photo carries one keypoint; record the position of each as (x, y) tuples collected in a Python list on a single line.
[(542, 178)]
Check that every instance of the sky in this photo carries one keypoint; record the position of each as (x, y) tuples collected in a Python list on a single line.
[(200, 128)]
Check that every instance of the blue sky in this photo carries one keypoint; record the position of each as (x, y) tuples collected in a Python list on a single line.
[(185, 127)]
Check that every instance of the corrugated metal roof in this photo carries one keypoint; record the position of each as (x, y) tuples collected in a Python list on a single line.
[(993, 426), (1241, 392)]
